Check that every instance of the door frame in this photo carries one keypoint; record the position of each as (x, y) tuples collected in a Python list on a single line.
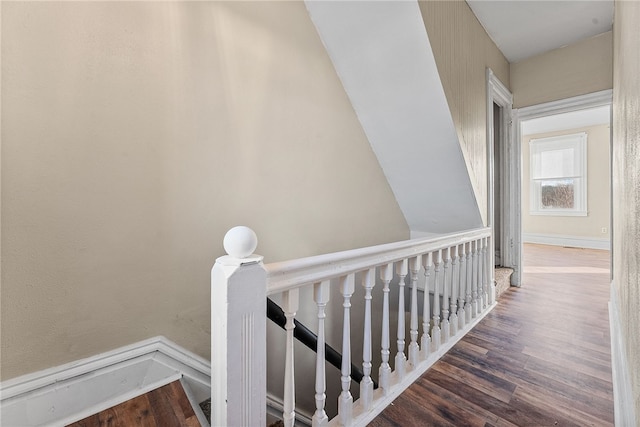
[(509, 167), (567, 105)]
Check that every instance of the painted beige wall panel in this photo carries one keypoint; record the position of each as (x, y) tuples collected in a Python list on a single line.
[(463, 51), (598, 193), (626, 182), (577, 69), (135, 135)]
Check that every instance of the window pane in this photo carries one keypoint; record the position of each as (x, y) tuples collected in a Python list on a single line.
[(557, 194)]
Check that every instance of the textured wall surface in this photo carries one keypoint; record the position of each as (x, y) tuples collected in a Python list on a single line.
[(577, 69), (463, 51), (134, 135), (598, 189), (626, 181)]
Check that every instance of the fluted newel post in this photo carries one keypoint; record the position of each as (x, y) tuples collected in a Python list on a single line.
[(366, 385), (425, 342), (469, 299), (290, 302), (238, 332), (401, 270), (386, 274), (446, 284), (321, 297), (435, 330), (345, 401), (455, 272), (463, 286), (414, 267)]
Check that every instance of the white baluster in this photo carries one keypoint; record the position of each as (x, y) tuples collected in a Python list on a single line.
[(492, 282), (483, 282), (401, 270), (474, 282), (386, 274), (486, 258), (469, 304), (290, 302), (463, 288), (455, 281), (345, 402), (446, 284), (321, 297), (414, 266), (435, 330), (425, 342), (366, 385)]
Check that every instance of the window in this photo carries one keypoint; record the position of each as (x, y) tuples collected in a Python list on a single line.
[(559, 175)]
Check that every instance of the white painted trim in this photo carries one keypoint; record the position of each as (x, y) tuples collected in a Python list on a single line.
[(510, 246), (623, 400), (73, 391), (581, 102), (565, 240)]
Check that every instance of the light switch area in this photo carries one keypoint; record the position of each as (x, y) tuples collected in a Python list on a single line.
[(604, 230)]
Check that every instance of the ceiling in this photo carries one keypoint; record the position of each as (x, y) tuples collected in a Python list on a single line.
[(525, 28)]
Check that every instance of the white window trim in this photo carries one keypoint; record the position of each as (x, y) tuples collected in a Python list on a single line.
[(577, 141)]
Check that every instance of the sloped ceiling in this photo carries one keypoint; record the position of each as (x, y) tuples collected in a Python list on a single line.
[(524, 28), (382, 55)]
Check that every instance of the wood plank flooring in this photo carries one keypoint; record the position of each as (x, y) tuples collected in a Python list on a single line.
[(540, 358), (166, 406)]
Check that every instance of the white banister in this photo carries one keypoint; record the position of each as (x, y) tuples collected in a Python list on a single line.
[(425, 342), (290, 302), (457, 294), (386, 275), (415, 264), (401, 270), (321, 296), (366, 385), (345, 402), (238, 333)]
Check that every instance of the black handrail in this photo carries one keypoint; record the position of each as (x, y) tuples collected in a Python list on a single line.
[(308, 338)]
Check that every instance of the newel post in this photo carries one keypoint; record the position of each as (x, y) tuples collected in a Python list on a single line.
[(238, 333)]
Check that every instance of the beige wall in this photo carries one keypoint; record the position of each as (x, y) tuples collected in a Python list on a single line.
[(598, 194), (134, 135), (626, 181), (581, 68), (463, 51)]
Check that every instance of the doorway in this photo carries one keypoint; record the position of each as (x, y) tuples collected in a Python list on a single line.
[(568, 118)]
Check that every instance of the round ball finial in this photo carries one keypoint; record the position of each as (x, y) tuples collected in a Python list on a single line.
[(240, 242)]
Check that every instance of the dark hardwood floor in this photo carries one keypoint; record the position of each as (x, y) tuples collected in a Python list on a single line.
[(166, 406), (540, 358)]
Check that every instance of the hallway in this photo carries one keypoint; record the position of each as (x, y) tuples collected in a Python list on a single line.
[(540, 358)]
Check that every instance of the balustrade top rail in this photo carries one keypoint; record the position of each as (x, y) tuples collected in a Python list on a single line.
[(287, 275)]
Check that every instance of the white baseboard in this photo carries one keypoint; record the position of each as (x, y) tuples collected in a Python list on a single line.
[(623, 400), (76, 390), (564, 240)]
